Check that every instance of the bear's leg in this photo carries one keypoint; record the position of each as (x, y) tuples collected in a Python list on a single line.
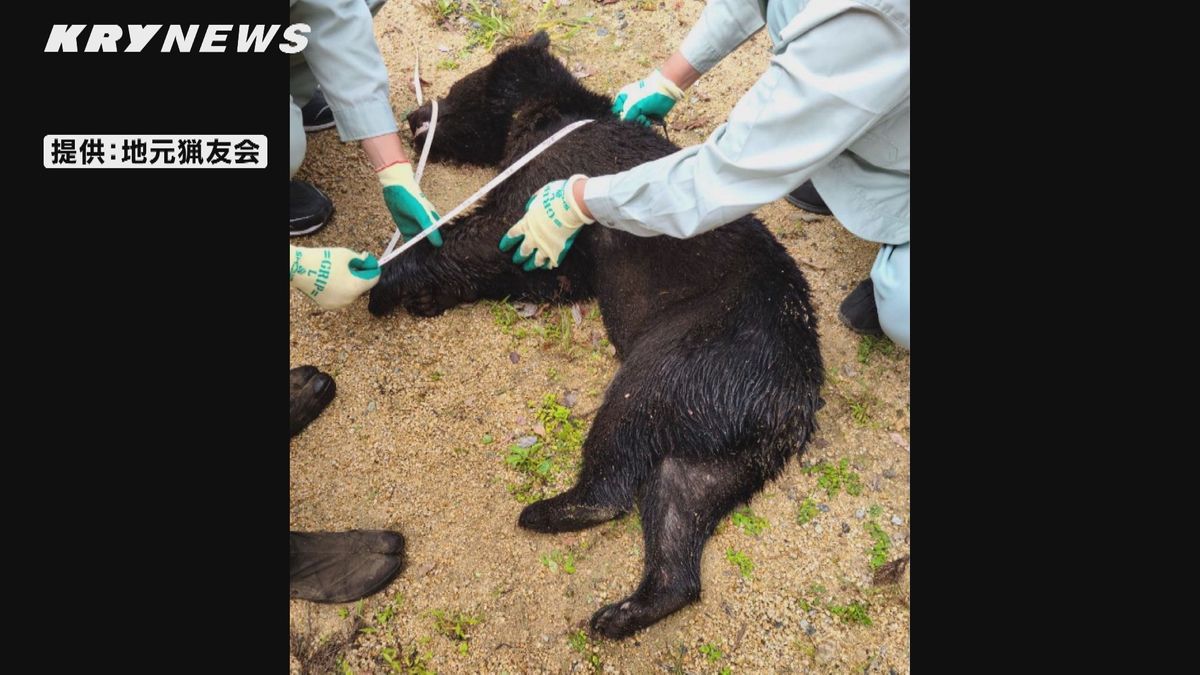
[(682, 503), (427, 281), (616, 459)]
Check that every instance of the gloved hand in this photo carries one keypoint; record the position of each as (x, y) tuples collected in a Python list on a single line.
[(410, 209), (648, 99), (333, 277), (546, 233)]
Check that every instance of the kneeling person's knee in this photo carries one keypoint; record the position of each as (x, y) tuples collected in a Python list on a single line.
[(890, 275)]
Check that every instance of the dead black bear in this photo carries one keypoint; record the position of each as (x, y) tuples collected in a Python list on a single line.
[(721, 370)]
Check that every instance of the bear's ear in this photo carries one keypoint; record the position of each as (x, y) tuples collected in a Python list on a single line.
[(534, 116), (540, 40)]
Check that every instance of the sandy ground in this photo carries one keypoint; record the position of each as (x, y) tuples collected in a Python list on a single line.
[(403, 445)]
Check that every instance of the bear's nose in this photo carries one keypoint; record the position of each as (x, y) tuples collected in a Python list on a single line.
[(418, 120)]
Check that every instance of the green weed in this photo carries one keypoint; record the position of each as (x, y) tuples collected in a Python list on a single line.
[(741, 561)]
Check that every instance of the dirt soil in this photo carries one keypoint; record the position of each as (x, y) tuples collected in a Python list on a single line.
[(427, 409)]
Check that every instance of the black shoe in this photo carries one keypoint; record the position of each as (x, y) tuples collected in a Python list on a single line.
[(806, 197), (310, 208), (317, 114), (311, 392), (343, 566), (858, 310)]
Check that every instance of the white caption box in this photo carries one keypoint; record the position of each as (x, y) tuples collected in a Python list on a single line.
[(151, 151)]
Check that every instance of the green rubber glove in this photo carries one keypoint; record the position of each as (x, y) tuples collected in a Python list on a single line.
[(332, 277), (552, 220), (408, 205), (648, 99)]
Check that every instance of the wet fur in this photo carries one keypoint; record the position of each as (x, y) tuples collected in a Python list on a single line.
[(720, 365)]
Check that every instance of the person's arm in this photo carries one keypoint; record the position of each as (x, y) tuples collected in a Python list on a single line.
[(828, 87), (680, 71), (722, 27), (383, 151), (344, 58)]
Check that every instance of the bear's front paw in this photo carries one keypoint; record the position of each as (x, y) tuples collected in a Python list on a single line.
[(417, 300), (423, 303)]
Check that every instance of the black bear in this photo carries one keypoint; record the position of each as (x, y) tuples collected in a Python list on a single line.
[(721, 370)]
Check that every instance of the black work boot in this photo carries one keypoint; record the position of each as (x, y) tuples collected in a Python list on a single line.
[(310, 209), (311, 391), (806, 197), (858, 310), (317, 114), (343, 566)]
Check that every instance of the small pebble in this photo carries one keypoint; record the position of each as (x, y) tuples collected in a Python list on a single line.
[(526, 441), (825, 654), (823, 508), (372, 406), (601, 32), (897, 520), (860, 514)]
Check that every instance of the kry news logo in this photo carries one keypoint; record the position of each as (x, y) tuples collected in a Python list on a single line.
[(103, 37)]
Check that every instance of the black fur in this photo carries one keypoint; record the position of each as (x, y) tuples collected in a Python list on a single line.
[(721, 369)]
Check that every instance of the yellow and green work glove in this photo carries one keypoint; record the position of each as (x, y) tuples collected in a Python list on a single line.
[(548, 229), (646, 100), (333, 277), (409, 207)]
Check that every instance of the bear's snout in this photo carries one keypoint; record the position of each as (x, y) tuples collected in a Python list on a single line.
[(418, 120)]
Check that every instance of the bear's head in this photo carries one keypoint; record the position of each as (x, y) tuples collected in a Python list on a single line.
[(475, 117)]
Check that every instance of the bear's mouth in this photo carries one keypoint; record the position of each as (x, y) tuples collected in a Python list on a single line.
[(418, 120)]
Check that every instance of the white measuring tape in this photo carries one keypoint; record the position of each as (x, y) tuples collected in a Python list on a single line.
[(491, 185), (433, 115), (391, 251)]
